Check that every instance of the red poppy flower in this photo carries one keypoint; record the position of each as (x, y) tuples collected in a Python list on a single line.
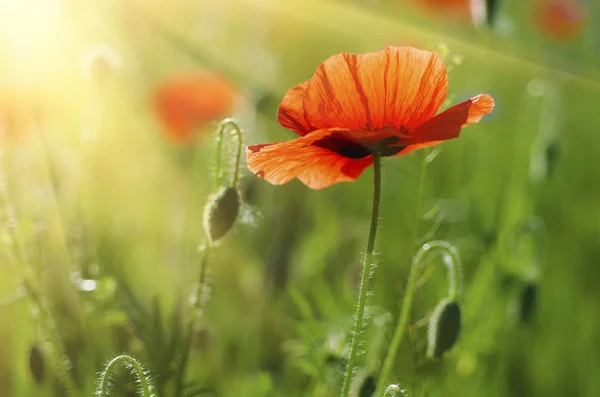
[(187, 103), (465, 9), (356, 105), (561, 19)]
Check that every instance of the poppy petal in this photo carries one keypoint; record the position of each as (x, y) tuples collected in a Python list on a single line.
[(290, 113), (447, 125), (417, 146), (397, 87), (315, 166)]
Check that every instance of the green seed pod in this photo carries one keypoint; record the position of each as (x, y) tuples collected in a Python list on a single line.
[(99, 62), (444, 328), (492, 11), (221, 212), (36, 364)]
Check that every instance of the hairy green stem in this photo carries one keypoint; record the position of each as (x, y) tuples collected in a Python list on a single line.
[(136, 369), (453, 265), (383, 377), (238, 134), (198, 301), (198, 298), (366, 273)]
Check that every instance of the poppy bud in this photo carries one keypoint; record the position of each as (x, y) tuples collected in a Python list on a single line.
[(492, 7), (528, 302), (367, 389), (444, 328), (221, 212), (36, 364), (99, 62)]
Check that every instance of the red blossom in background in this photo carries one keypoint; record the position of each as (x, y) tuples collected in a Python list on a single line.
[(187, 103), (561, 19), (462, 9)]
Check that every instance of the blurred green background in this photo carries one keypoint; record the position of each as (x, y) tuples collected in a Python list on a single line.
[(108, 211)]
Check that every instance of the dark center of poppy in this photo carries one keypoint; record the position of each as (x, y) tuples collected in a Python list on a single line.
[(353, 150), (346, 146), (343, 147), (389, 146)]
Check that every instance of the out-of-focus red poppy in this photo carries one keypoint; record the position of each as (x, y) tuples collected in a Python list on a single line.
[(22, 113), (464, 9), (186, 103), (561, 19), (356, 105)]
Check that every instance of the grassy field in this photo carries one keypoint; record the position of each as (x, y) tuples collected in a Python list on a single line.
[(102, 239)]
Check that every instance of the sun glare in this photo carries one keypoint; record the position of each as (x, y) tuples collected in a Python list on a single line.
[(34, 37)]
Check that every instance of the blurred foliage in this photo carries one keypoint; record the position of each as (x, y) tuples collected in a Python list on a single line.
[(109, 211)]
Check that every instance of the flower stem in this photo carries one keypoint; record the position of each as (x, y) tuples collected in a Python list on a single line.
[(143, 380), (366, 272), (238, 134), (410, 289), (400, 329), (198, 301)]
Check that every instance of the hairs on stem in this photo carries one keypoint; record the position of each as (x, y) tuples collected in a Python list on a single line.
[(142, 377)]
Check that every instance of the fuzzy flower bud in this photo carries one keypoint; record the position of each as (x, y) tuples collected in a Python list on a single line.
[(444, 328), (221, 212), (100, 61), (36, 364)]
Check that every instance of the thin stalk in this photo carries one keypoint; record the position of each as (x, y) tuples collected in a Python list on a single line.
[(452, 262), (199, 293), (54, 349), (136, 368), (62, 222), (412, 279), (198, 301), (238, 158), (366, 273), (238, 134), (400, 329)]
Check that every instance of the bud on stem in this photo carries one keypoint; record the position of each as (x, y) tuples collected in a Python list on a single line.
[(220, 212), (444, 328)]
